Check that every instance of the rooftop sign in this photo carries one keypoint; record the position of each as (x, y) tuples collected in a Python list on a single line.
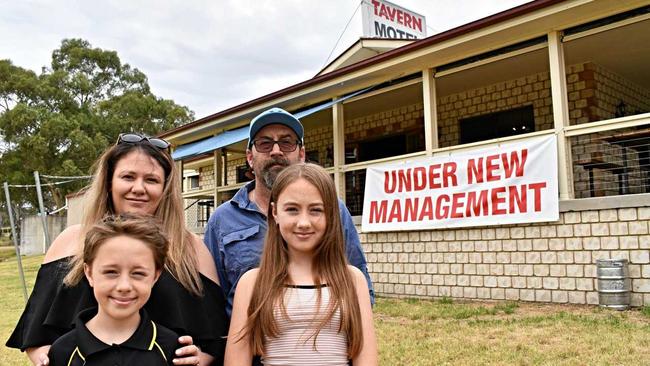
[(382, 19)]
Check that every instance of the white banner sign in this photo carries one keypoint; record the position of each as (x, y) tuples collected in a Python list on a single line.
[(508, 183), (382, 19)]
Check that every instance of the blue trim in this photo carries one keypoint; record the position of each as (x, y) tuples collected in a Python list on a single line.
[(210, 144), (230, 137), (320, 107)]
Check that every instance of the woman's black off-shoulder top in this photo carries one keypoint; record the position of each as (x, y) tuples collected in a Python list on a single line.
[(52, 308)]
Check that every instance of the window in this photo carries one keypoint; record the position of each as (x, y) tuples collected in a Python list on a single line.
[(193, 182), (205, 209), (312, 156), (500, 124), (391, 145), (243, 173)]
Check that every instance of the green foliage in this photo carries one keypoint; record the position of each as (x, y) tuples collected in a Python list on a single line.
[(446, 300), (646, 311), (60, 121)]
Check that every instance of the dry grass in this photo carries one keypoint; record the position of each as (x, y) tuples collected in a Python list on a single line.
[(412, 332), (445, 332), (12, 302)]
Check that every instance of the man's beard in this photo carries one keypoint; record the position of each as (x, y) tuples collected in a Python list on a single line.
[(270, 173)]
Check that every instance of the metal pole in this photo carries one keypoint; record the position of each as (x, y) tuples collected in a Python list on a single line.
[(15, 238), (43, 214)]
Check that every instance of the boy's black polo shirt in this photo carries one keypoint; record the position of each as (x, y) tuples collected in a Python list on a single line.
[(151, 344)]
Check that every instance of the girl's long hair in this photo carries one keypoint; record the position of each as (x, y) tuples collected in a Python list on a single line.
[(329, 267), (181, 259)]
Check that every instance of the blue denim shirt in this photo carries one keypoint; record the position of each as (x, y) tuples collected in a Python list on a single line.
[(235, 237)]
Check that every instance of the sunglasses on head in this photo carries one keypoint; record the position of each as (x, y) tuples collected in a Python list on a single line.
[(134, 138)]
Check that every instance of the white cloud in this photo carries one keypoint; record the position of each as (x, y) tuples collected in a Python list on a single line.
[(210, 55)]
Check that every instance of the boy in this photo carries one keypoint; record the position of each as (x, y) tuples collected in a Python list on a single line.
[(123, 258)]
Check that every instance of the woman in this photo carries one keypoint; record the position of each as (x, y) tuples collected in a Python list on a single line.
[(137, 175), (304, 305)]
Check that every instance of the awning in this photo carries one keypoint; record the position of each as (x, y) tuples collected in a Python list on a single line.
[(240, 134), (320, 107), (210, 144)]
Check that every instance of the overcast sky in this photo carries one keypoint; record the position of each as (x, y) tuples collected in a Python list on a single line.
[(210, 55)]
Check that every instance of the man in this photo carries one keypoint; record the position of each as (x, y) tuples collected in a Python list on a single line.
[(236, 230)]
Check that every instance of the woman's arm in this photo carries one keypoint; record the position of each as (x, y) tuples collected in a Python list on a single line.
[(238, 351), (368, 353)]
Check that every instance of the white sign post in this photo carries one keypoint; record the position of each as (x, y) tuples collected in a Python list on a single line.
[(508, 183), (382, 19)]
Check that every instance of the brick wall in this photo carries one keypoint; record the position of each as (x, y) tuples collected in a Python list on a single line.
[(321, 140), (594, 92), (385, 123), (532, 90), (552, 262)]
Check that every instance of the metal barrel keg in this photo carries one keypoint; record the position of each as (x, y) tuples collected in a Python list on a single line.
[(613, 283)]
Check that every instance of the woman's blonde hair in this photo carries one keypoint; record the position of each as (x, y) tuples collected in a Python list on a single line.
[(181, 260), (329, 265)]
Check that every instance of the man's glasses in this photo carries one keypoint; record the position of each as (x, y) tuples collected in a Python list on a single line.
[(265, 145), (134, 138)]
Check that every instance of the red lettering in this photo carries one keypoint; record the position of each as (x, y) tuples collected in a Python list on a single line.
[(490, 167), (382, 12), (378, 214), (475, 171), (411, 209), (496, 201), (516, 197), (449, 173), (400, 16), (390, 188), (427, 209), (515, 163), (376, 4), (417, 23), (536, 187), (474, 206), (404, 180), (457, 204), (442, 211), (407, 20), (395, 212), (419, 178), (433, 175)]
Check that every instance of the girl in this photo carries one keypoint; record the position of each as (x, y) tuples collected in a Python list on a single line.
[(123, 257), (304, 305)]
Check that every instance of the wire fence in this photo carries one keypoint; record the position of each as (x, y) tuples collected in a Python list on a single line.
[(611, 163)]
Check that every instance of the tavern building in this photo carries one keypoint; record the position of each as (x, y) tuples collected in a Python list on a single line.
[(574, 71)]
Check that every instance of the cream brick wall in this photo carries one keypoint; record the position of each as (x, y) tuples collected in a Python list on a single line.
[(385, 123), (594, 92), (552, 262), (532, 90)]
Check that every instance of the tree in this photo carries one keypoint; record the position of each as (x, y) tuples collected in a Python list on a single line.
[(60, 121)]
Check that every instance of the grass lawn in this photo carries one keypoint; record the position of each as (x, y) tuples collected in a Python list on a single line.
[(445, 332)]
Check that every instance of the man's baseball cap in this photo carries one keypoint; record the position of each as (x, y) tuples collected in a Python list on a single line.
[(275, 116)]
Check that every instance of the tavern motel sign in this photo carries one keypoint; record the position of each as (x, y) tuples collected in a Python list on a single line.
[(382, 19)]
